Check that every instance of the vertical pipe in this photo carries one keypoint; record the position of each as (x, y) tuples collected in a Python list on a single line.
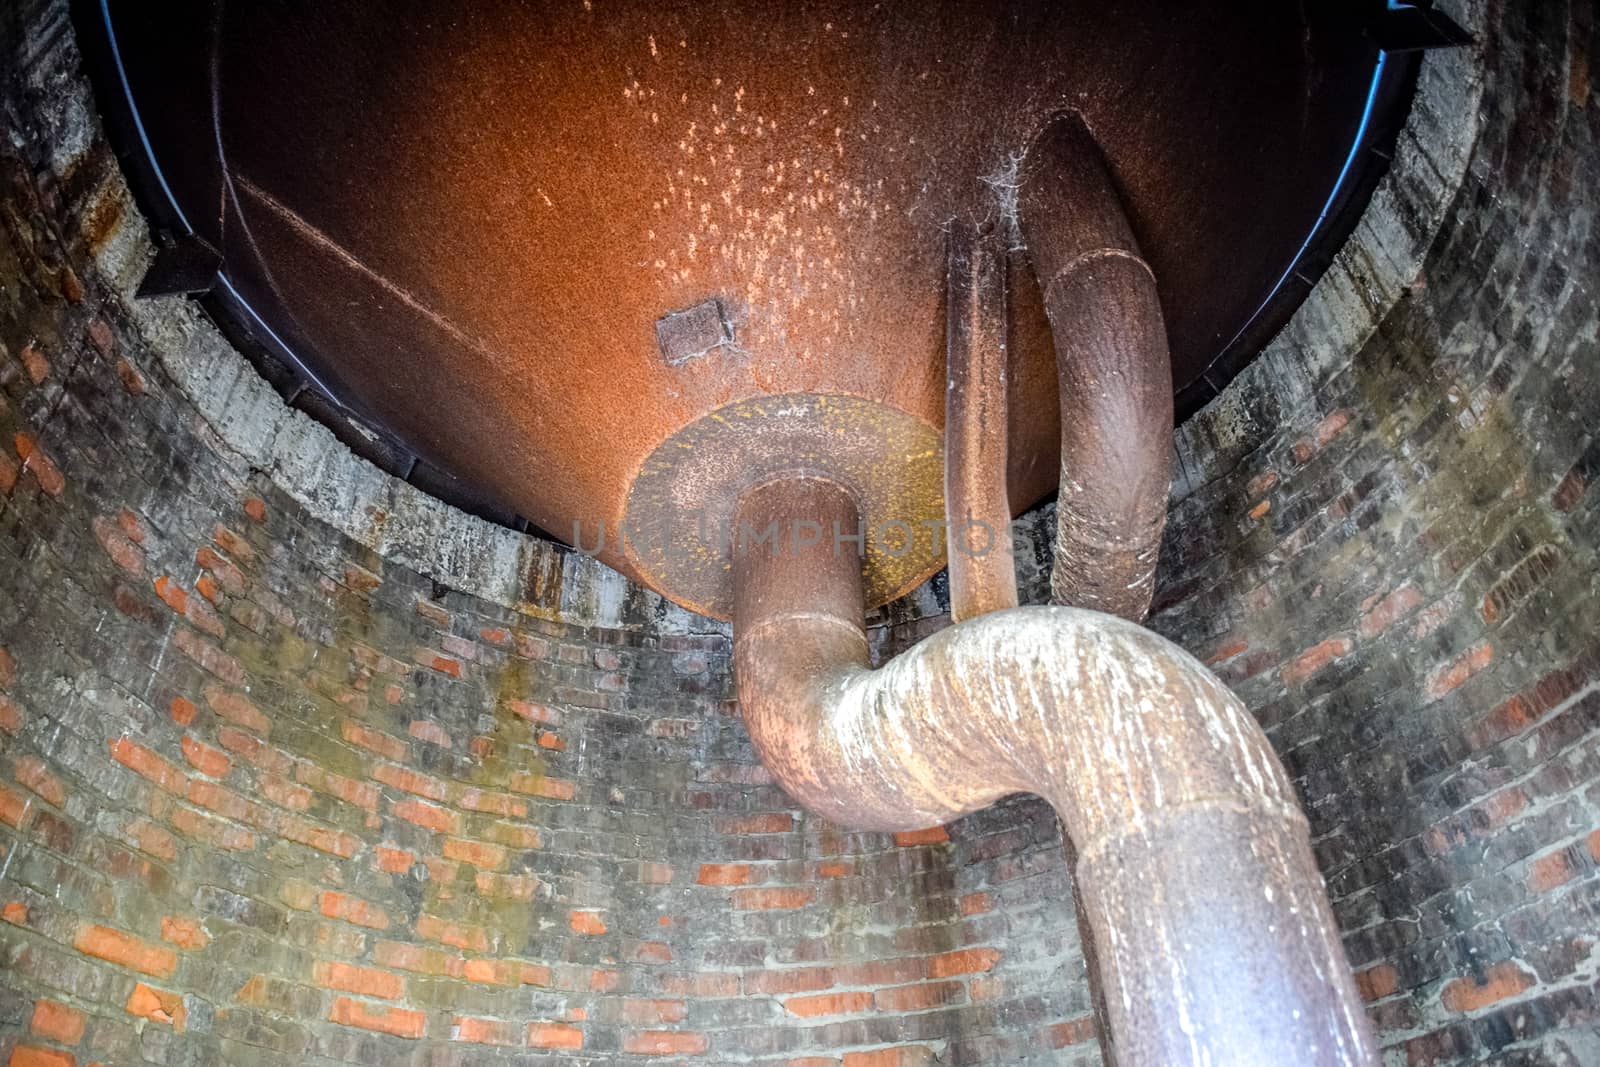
[(983, 577)]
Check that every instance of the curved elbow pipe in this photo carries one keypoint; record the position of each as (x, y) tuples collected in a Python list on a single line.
[(1214, 940), (1113, 370)]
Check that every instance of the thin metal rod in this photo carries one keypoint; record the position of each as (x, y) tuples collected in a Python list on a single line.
[(983, 577)]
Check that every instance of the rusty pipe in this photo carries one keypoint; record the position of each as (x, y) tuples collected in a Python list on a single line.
[(1214, 938), (1112, 368), (977, 508)]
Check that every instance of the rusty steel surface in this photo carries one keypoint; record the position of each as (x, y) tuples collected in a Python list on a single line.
[(1114, 372), (983, 576), (474, 221), (1213, 938)]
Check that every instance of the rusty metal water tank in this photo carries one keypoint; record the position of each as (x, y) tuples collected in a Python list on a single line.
[(605, 262)]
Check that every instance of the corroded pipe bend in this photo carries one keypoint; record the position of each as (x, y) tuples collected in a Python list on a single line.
[(1214, 940), (1113, 371)]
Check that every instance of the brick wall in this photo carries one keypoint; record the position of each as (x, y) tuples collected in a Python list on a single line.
[(270, 796), (1391, 555)]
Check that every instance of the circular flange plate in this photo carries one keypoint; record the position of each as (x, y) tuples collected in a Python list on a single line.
[(679, 525)]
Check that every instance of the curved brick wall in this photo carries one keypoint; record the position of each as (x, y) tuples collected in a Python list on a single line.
[(1391, 555), (296, 766)]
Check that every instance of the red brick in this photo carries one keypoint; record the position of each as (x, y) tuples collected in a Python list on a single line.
[(1498, 982), (284, 793), (919, 997), (148, 837), (422, 959), (438, 661), (397, 1021), (353, 910), (541, 785), (256, 508), (35, 1056), (10, 716), (433, 612), (1073, 1032), (35, 361), (149, 764), (476, 853), (1453, 675), (388, 747), (44, 470), (963, 961), (410, 781), (664, 1043), (210, 658), (428, 816), (229, 576), (1378, 982), (15, 912), (540, 713), (118, 545), (487, 1031), (651, 952), (203, 827), (1390, 610), (237, 709), (976, 903), (884, 972), (454, 934), (9, 473), (1548, 872), (56, 1022), (157, 1005), (554, 1035), (932, 835), (773, 823), (361, 794), (129, 376), (586, 922), (352, 978), (724, 874), (205, 759), (394, 860), (32, 773), (431, 732), (792, 980), (829, 1004), (184, 932), (334, 842), (125, 949), (902, 1056), (1314, 659), (13, 807), (182, 711), (360, 579), (254, 751), (773, 899)]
